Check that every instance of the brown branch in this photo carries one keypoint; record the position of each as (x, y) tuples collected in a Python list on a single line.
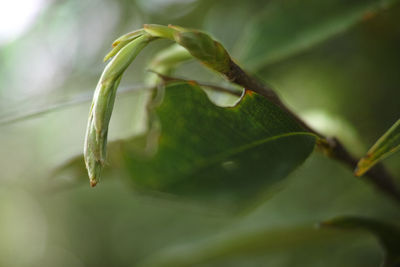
[(332, 147), (239, 76)]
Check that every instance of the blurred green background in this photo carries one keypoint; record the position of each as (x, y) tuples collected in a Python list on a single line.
[(345, 83)]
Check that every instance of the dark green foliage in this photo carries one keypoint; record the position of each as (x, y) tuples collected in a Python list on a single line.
[(219, 154), (166, 192), (208, 153), (283, 30)]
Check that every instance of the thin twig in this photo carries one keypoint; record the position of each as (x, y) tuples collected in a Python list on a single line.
[(218, 88), (239, 76), (61, 105), (332, 147), (377, 175)]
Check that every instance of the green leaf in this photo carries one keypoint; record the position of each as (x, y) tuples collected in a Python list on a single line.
[(286, 28), (200, 45), (385, 146), (209, 153), (204, 48), (388, 234)]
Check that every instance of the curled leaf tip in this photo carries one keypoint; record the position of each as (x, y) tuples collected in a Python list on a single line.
[(248, 92), (359, 171), (161, 31), (130, 36), (103, 101), (93, 183), (123, 41), (386, 145), (363, 165), (192, 82), (178, 28), (203, 47), (108, 56)]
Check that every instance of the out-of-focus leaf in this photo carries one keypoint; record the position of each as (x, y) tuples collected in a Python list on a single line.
[(385, 146), (232, 245), (209, 153), (388, 235), (166, 61), (290, 26)]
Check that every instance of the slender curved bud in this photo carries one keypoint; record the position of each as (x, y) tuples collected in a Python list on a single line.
[(161, 31), (130, 36), (204, 48), (124, 58), (200, 45), (123, 41), (102, 106), (179, 28), (115, 50), (96, 138)]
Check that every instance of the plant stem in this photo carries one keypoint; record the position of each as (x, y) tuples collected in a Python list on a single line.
[(169, 79), (332, 147), (6, 120)]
